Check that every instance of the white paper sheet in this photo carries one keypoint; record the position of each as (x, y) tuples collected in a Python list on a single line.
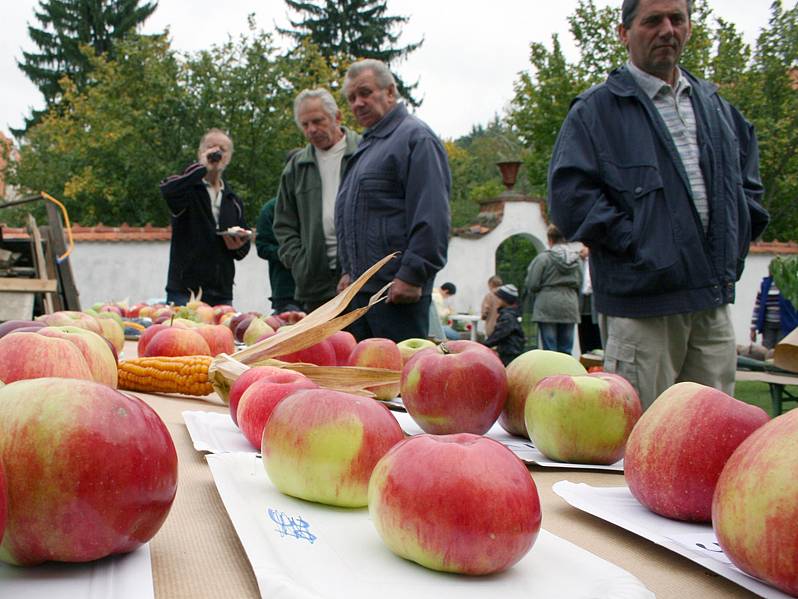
[(303, 550), (696, 542), (216, 433), (126, 576)]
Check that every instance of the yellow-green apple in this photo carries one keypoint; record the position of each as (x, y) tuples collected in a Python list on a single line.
[(177, 341), (95, 477), (456, 503), (523, 374), (218, 337), (239, 325), (261, 398), (343, 343), (378, 352), (113, 330), (95, 349), (14, 325), (582, 419), (408, 347), (225, 319), (242, 383), (456, 387), (320, 354), (755, 506), (679, 446), (30, 356), (321, 445), (205, 314), (257, 328)]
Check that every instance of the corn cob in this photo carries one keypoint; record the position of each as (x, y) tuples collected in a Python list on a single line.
[(186, 375)]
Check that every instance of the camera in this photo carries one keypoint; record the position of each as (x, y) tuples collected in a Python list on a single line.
[(215, 156)]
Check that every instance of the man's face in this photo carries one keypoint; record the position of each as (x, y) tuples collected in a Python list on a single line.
[(318, 127), (215, 142), (368, 102), (657, 36)]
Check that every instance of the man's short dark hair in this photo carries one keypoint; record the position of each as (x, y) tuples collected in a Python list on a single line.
[(629, 11), (449, 288)]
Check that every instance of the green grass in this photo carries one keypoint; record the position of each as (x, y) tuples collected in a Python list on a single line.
[(758, 394)]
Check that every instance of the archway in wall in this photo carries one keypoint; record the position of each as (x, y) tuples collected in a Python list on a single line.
[(512, 259)]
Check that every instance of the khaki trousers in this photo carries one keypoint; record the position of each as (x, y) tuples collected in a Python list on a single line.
[(654, 353)]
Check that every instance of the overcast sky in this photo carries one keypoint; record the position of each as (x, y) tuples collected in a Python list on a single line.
[(472, 53)]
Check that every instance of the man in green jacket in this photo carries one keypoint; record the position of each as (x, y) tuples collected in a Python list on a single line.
[(304, 215)]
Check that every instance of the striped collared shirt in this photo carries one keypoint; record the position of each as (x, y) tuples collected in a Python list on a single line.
[(676, 109)]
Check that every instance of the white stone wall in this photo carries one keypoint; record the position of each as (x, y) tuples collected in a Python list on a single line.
[(137, 271)]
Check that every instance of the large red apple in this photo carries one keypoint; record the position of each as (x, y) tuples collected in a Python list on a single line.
[(457, 387), (320, 354), (176, 341), (3, 500), (218, 337), (95, 349), (378, 352), (321, 445), (523, 374), (259, 400), (456, 503), (89, 471), (30, 356), (12, 325), (583, 419), (243, 382), (679, 446), (343, 343), (755, 506), (72, 318)]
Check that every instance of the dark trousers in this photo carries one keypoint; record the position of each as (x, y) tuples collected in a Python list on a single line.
[(180, 298), (392, 321)]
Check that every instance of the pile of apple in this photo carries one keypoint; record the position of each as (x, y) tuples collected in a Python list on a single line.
[(85, 471)]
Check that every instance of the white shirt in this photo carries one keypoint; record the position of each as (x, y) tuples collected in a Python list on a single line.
[(330, 171), (216, 199)]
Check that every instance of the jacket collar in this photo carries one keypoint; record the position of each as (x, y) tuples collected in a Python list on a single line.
[(387, 124), (307, 155), (622, 83)]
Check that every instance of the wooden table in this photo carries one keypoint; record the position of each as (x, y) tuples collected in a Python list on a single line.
[(197, 553)]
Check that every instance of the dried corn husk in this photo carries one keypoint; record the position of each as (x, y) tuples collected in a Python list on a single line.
[(316, 326), (786, 354)]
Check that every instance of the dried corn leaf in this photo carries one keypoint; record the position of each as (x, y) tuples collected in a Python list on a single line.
[(786, 354)]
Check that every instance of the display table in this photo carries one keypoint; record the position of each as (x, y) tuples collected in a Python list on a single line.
[(197, 553)]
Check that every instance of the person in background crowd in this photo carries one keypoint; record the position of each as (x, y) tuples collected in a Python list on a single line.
[(442, 309), (508, 335), (774, 315), (394, 197), (588, 329), (554, 278), (209, 230), (659, 176), (489, 311), (280, 279), (304, 215)]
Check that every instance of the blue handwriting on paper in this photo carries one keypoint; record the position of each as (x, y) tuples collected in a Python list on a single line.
[(289, 526)]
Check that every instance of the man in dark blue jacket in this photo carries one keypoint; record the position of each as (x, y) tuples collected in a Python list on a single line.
[(659, 176), (208, 226), (394, 196)]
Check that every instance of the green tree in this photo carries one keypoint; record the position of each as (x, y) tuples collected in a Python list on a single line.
[(353, 29), (65, 26)]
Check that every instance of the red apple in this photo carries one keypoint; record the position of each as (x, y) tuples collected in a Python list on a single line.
[(257, 328), (30, 356), (111, 308), (582, 419), (343, 343), (457, 387), (755, 506), (291, 317), (205, 314), (134, 311), (220, 310), (274, 322), (12, 325), (176, 341), (146, 336), (3, 500), (95, 477), (95, 349), (456, 503), (240, 327), (378, 352), (259, 400), (243, 382), (218, 337), (321, 445), (320, 354), (523, 374), (72, 318), (679, 446)]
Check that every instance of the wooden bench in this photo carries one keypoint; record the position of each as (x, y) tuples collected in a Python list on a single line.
[(777, 384)]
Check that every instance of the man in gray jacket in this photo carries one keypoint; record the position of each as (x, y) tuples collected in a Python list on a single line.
[(394, 198), (304, 215), (659, 176), (553, 280)]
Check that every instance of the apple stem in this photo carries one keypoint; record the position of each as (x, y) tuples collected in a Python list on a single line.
[(444, 348)]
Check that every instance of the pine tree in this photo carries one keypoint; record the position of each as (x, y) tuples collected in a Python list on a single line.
[(66, 25), (352, 29)]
